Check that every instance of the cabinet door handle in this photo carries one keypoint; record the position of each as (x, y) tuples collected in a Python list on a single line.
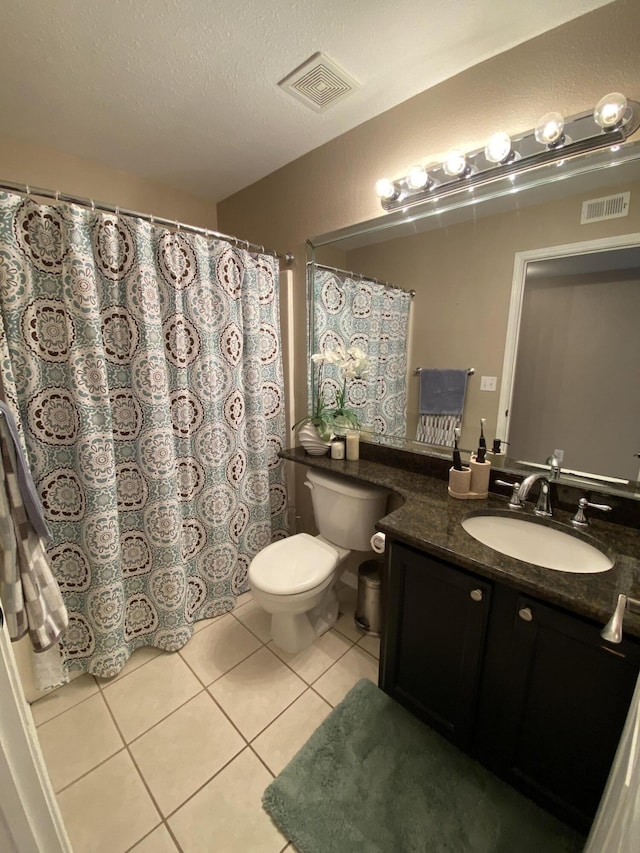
[(476, 594), (526, 614)]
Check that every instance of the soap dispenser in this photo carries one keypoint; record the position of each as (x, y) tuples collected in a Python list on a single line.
[(497, 454)]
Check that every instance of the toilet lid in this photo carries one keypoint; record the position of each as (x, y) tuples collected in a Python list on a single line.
[(293, 565)]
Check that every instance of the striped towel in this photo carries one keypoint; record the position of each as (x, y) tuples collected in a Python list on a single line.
[(440, 404), (437, 429), (29, 592)]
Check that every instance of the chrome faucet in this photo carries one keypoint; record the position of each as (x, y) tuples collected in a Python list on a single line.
[(554, 466), (543, 507)]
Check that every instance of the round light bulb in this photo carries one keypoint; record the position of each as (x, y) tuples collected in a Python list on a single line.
[(610, 110), (417, 177), (385, 188), (498, 147), (549, 130), (455, 163)]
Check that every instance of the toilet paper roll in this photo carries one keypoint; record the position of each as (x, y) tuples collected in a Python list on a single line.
[(378, 542)]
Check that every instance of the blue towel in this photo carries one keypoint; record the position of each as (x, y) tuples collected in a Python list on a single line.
[(442, 391)]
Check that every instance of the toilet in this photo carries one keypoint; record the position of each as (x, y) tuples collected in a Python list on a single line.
[(294, 579)]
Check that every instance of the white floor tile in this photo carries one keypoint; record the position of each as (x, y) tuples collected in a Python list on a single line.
[(138, 658), (227, 815), (108, 810), (256, 691), (204, 623), (310, 663), (63, 698), (277, 745), (150, 693), (338, 680), (159, 841), (243, 599), (347, 598), (371, 645), (77, 740), (181, 753), (218, 648), (257, 620)]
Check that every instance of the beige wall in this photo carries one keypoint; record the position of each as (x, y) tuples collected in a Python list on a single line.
[(39, 165), (463, 276), (567, 69)]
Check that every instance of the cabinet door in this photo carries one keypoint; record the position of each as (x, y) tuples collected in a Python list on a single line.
[(437, 617), (564, 708)]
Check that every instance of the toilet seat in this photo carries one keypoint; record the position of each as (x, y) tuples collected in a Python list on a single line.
[(293, 565)]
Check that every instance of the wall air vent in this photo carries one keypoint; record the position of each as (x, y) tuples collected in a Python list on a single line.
[(319, 83), (608, 207)]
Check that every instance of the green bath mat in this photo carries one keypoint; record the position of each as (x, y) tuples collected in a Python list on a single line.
[(374, 779)]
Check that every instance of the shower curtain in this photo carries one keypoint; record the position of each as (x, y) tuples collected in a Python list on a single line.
[(144, 369), (375, 318)]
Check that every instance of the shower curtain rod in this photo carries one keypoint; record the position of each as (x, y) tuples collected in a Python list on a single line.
[(361, 277), (27, 189)]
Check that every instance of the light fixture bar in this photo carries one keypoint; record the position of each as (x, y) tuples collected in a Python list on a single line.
[(581, 134)]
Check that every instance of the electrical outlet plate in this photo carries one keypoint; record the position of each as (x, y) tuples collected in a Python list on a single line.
[(488, 383)]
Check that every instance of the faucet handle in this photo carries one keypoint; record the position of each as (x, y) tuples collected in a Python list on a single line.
[(514, 501), (580, 519)]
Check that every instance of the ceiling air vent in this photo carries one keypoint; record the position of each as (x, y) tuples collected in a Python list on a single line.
[(608, 207), (319, 83)]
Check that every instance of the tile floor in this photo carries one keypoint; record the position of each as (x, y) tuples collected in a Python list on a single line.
[(174, 753)]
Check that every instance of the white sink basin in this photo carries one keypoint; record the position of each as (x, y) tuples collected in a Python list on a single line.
[(537, 543)]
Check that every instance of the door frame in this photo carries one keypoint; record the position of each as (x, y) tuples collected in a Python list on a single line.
[(28, 805), (522, 259)]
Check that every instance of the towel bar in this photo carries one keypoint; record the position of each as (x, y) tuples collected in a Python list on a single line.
[(470, 371)]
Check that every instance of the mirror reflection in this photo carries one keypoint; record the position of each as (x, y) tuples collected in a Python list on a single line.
[(477, 264)]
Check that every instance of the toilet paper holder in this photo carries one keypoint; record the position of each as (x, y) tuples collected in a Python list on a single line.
[(378, 542)]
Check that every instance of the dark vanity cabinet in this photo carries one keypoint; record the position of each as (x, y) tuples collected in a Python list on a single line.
[(436, 639), (530, 690)]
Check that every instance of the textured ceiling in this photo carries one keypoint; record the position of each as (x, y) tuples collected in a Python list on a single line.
[(185, 92)]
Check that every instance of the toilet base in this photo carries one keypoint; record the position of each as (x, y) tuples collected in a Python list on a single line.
[(293, 632)]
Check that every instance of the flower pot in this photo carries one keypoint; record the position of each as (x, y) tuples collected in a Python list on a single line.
[(310, 439)]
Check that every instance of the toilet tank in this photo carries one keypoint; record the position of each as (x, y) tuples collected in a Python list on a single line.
[(345, 512)]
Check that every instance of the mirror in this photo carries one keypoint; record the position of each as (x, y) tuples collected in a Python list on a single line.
[(471, 260)]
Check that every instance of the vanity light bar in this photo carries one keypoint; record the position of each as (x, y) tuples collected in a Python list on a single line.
[(553, 139)]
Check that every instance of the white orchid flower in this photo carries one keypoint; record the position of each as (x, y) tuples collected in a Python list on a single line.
[(355, 363), (336, 356), (327, 356), (357, 353)]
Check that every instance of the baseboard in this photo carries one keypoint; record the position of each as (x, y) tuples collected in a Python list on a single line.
[(350, 578)]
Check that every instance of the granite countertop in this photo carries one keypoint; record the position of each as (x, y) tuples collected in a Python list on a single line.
[(430, 520)]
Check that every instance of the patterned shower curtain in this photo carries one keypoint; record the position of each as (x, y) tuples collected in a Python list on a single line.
[(375, 318), (144, 369)]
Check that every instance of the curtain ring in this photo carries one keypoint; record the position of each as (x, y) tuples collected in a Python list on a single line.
[(151, 219), (262, 250), (117, 211), (93, 206), (57, 195), (27, 189), (177, 225)]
